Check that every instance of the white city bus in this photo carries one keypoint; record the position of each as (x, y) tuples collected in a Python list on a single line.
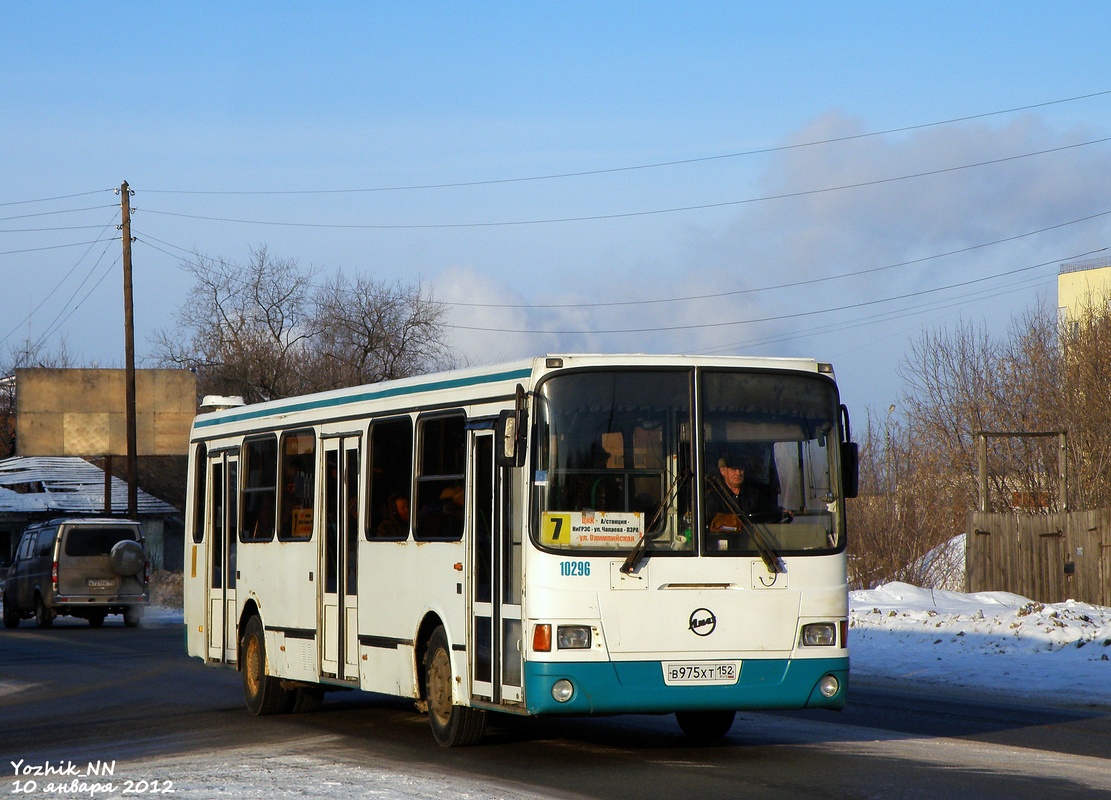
[(551, 536)]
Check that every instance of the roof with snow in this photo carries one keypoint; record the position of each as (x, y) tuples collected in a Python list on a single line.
[(30, 485)]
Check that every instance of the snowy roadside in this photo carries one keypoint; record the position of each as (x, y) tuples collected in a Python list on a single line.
[(992, 642)]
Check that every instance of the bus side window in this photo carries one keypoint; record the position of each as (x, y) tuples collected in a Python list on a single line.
[(260, 467), (200, 473), (440, 478), (297, 486), (391, 479)]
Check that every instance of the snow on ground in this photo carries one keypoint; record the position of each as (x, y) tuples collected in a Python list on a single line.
[(992, 642)]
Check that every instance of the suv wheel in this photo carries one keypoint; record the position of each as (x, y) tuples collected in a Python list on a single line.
[(43, 615), (11, 614)]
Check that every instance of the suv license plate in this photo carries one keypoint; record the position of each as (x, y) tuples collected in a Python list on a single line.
[(100, 583), (701, 673)]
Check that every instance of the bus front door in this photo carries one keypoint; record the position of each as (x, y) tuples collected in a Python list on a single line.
[(494, 570), (339, 633), (222, 525)]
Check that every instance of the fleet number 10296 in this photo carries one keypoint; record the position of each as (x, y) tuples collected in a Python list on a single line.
[(574, 569)]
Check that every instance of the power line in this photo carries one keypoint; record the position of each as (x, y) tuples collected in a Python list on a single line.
[(53, 213), (795, 315), (52, 199), (59, 319), (50, 230), (631, 214), (50, 247), (146, 239), (59, 284), (886, 316), (791, 285), (141, 239), (654, 165)]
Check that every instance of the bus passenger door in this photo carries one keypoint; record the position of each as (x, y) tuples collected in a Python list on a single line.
[(339, 634), (222, 527), (495, 645)]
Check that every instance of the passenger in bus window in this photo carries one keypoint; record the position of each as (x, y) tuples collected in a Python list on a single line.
[(396, 523), (444, 518)]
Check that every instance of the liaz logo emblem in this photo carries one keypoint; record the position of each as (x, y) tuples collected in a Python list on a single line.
[(702, 622)]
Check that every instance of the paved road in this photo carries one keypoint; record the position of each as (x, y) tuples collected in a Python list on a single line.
[(130, 696)]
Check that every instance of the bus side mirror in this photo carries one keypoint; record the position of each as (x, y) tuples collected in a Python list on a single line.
[(510, 433), (509, 439), (850, 458), (850, 469)]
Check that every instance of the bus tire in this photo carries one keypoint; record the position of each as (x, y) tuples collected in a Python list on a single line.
[(452, 725), (263, 693), (705, 726), (305, 700)]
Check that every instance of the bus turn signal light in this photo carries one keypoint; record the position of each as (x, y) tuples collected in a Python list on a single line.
[(542, 638)]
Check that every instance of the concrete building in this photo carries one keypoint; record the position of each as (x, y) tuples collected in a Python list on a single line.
[(1082, 286)]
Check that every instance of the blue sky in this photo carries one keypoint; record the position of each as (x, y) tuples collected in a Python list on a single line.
[(294, 125)]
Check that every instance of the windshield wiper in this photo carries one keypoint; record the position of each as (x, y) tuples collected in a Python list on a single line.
[(765, 543), (640, 549)]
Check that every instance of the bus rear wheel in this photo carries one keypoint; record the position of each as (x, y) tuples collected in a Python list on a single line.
[(452, 725), (705, 726), (263, 693), (304, 699)]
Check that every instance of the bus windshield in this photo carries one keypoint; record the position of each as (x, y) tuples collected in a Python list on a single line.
[(617, 464)]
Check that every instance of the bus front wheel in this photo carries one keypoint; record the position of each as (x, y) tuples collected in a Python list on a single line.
[(263, 693), (452, 725), (705, 726)]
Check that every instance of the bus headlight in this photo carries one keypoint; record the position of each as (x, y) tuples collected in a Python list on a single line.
[(562, 690), (819, 634), (573, 637), (829, 686)]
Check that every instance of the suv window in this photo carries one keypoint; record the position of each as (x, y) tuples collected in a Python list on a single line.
[(84, 542), (45, 545), (25, 547)]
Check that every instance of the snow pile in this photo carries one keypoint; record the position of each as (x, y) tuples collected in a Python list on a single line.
[(993, 641), (944, 566)]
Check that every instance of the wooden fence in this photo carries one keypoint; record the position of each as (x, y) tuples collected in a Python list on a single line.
[(1046, 557)]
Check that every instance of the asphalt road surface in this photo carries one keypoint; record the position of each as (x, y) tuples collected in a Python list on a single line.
[(130, 697)]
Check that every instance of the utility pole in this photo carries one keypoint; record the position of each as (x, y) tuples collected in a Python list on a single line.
[(129, 357)]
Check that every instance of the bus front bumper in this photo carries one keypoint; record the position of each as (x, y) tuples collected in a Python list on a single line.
[(632, 687)]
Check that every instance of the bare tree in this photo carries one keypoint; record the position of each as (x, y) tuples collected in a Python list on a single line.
[(370, 331), (903, 510), (264, 330), (25, 354), (919, 475)]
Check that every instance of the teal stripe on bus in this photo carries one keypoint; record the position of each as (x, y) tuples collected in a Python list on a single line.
[(377, 394)]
